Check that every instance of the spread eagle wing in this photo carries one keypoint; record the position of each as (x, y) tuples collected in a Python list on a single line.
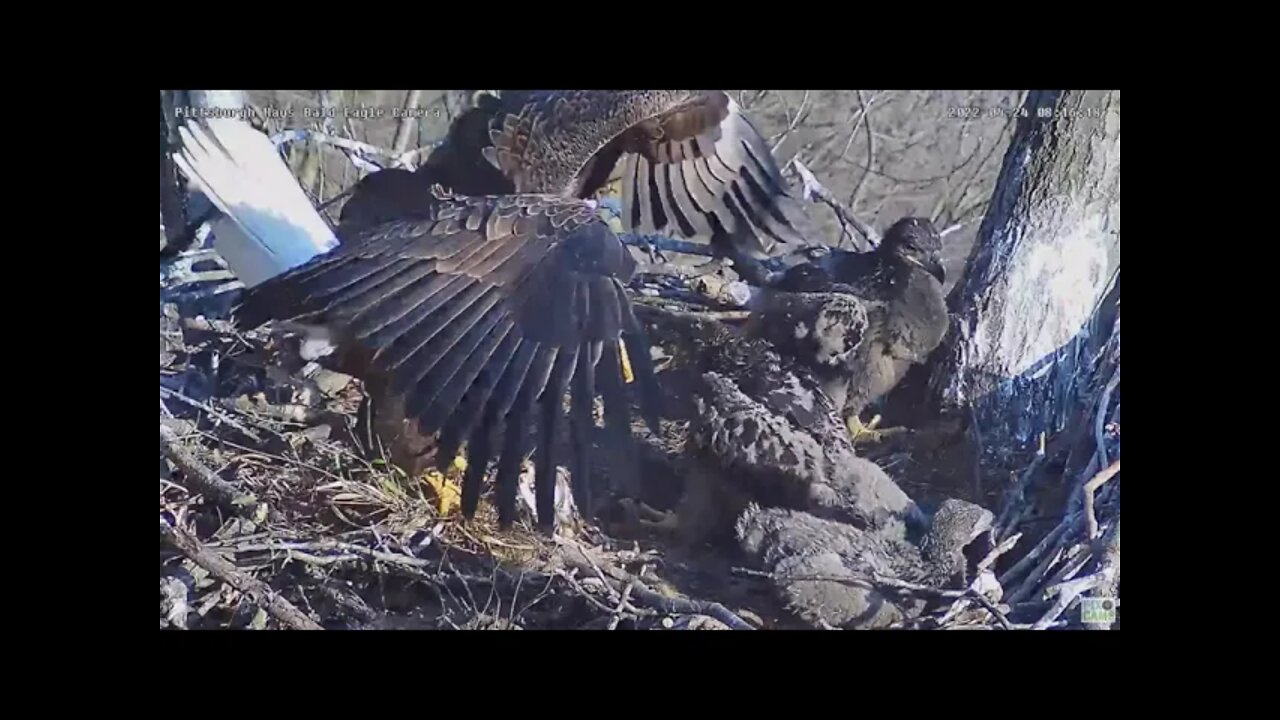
[(692, 164), (473, 319), (690, 161)]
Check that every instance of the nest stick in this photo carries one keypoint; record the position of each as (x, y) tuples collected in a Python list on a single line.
[(279, 608), (1090, 519), (197, 478)]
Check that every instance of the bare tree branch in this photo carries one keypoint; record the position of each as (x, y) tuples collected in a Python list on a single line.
[(408, 123), (815, 191)]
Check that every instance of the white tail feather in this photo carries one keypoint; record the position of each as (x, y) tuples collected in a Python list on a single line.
[(270, 224)]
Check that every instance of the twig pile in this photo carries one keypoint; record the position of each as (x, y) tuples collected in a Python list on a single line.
[(270, 518)]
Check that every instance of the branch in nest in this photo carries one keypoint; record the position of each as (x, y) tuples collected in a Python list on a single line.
[(682, 272), (815, 191), (1090, 519), (901, 586), (685, 606), (350, 551), (219, 567), (1067, 593), (976, 588), (216, 414), (1050, 548), (1016, 499), (199, 479), (581, 560)]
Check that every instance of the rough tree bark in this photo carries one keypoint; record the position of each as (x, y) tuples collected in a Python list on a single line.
[(1042, 284)]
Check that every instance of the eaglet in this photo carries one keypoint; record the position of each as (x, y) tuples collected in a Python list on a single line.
[(859, 320)]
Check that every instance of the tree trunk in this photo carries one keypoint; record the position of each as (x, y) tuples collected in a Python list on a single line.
[(1042, 284)]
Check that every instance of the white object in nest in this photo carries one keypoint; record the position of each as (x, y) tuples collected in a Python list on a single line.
[(566, 510)]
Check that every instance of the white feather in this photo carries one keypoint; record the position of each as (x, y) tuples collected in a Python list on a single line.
[(270, 225)]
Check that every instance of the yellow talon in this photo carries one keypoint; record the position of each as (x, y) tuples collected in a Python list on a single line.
[(448, 497), (858, 431), (444, 485), (627, 376)]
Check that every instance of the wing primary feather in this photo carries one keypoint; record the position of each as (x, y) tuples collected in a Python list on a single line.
[(516, 433), (552, 407), (450, 368), (468, 379), (582, 423), (752, 219), (657, 198), (637, 344), (437, 333), (504, 396), (644, 202), (678, 210), (605, 318), (420, 369), (394, 275), (473, 480), (474, 404), (480, 444), (400, 340), (401, 312), (309, 288), (617, 419)]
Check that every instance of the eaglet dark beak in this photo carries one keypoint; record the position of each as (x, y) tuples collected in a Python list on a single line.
[(934, 266), (931, 265)]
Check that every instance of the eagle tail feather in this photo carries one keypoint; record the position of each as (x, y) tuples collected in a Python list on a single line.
[(268, 225)]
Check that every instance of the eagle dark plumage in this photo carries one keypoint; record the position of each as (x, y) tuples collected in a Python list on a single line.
[(691, 165), (470, 313), (472, 318), (859, 321)]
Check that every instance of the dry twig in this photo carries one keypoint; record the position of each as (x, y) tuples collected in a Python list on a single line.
[(200, 479), (1090, 519), (215, 413), (280, 608), (816, 191)]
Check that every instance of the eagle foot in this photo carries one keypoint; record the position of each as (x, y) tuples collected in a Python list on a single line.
[(639, 514), (868, 434), (446, 486)]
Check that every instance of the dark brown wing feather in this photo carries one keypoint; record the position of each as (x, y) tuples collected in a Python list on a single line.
[(692, 164), (702, 170), (472, 320)]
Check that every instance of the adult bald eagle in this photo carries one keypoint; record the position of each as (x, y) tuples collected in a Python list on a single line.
[(473, 294), (691, 165), (473, 319)]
